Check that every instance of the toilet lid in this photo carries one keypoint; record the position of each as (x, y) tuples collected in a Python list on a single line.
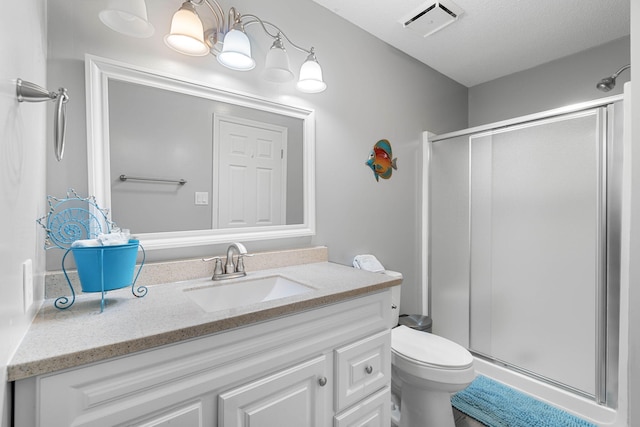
[(429, 349)]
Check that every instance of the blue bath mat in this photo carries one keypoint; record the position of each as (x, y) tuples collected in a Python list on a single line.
[(496, 405)]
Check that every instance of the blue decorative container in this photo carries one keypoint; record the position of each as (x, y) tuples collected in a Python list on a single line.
[(105, 268), (102, 269)]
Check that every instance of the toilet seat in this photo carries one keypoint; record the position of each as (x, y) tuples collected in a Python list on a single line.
[(428, 350)]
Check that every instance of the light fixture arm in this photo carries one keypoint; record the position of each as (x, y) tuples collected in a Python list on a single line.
[(235, 17), (218, 14), (263, 24)]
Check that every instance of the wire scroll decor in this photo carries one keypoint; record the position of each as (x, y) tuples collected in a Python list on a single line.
[(73, 218)]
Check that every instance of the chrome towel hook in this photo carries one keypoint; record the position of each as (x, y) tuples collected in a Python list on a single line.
[(30, 92)]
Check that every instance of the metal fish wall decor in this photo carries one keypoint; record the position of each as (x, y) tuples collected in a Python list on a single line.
[(381, 160)]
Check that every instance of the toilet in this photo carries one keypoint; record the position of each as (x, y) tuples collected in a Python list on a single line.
[(426, 370)]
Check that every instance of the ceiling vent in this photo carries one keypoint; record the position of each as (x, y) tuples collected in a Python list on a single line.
[(432, 16)]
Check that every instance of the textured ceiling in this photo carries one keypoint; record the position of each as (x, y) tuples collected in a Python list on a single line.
[(492, 38)]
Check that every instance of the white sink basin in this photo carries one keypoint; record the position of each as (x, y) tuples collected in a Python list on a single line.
[(245, 292)]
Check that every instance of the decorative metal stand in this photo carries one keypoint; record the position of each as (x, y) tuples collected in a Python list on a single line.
[(77, 218)]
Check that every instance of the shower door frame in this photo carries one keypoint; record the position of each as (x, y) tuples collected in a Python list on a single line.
[(608, 299)]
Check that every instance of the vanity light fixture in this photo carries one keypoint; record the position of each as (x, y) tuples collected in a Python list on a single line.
[(276, 65), (128, 17), (232, 47), (311, 75)]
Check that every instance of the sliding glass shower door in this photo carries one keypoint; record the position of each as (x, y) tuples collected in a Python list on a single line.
[(524, 224), (537, 256)]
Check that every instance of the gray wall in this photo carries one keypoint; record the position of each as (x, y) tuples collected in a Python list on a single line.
[(374, 92), (22, 162), (555, 84)]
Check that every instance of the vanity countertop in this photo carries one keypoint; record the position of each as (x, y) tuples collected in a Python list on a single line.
[(62, 339)]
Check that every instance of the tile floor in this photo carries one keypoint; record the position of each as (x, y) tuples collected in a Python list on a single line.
[(462, 420)]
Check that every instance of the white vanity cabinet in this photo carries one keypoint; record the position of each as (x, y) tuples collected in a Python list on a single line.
[(328, 366)]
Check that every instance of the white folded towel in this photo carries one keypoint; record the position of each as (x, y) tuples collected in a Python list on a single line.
[(368, 262), (86, 243)]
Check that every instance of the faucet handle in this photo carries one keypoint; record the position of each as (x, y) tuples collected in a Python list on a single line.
[(217, 269), (240, 264)]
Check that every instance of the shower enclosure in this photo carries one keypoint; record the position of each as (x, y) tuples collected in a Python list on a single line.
[(524, 220)]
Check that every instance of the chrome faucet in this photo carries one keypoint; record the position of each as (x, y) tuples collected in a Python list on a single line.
[(231, 269)]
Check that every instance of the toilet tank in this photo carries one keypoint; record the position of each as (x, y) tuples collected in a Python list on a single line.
[(395, 298)]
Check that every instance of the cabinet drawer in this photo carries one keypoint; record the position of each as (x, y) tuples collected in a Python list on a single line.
[(374, 411), (362, 368)]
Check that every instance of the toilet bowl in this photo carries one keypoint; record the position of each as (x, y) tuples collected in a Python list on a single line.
[(426, 370)]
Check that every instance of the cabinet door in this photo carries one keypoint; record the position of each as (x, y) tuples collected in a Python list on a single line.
[(293, 397)]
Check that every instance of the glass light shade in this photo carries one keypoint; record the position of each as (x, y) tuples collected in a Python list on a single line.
[(277, 67), (187, 33), (236, 52), (128, 17), (311, 77)]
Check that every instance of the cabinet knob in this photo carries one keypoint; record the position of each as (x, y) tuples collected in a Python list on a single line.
[(322, 381), (368, 369)]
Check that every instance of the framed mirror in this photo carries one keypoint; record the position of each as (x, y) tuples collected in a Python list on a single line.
[(180, 163)]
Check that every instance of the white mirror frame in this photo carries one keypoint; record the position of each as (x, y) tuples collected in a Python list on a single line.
[(99, 71)]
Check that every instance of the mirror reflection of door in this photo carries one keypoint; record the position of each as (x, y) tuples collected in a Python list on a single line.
[(250, 166)]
